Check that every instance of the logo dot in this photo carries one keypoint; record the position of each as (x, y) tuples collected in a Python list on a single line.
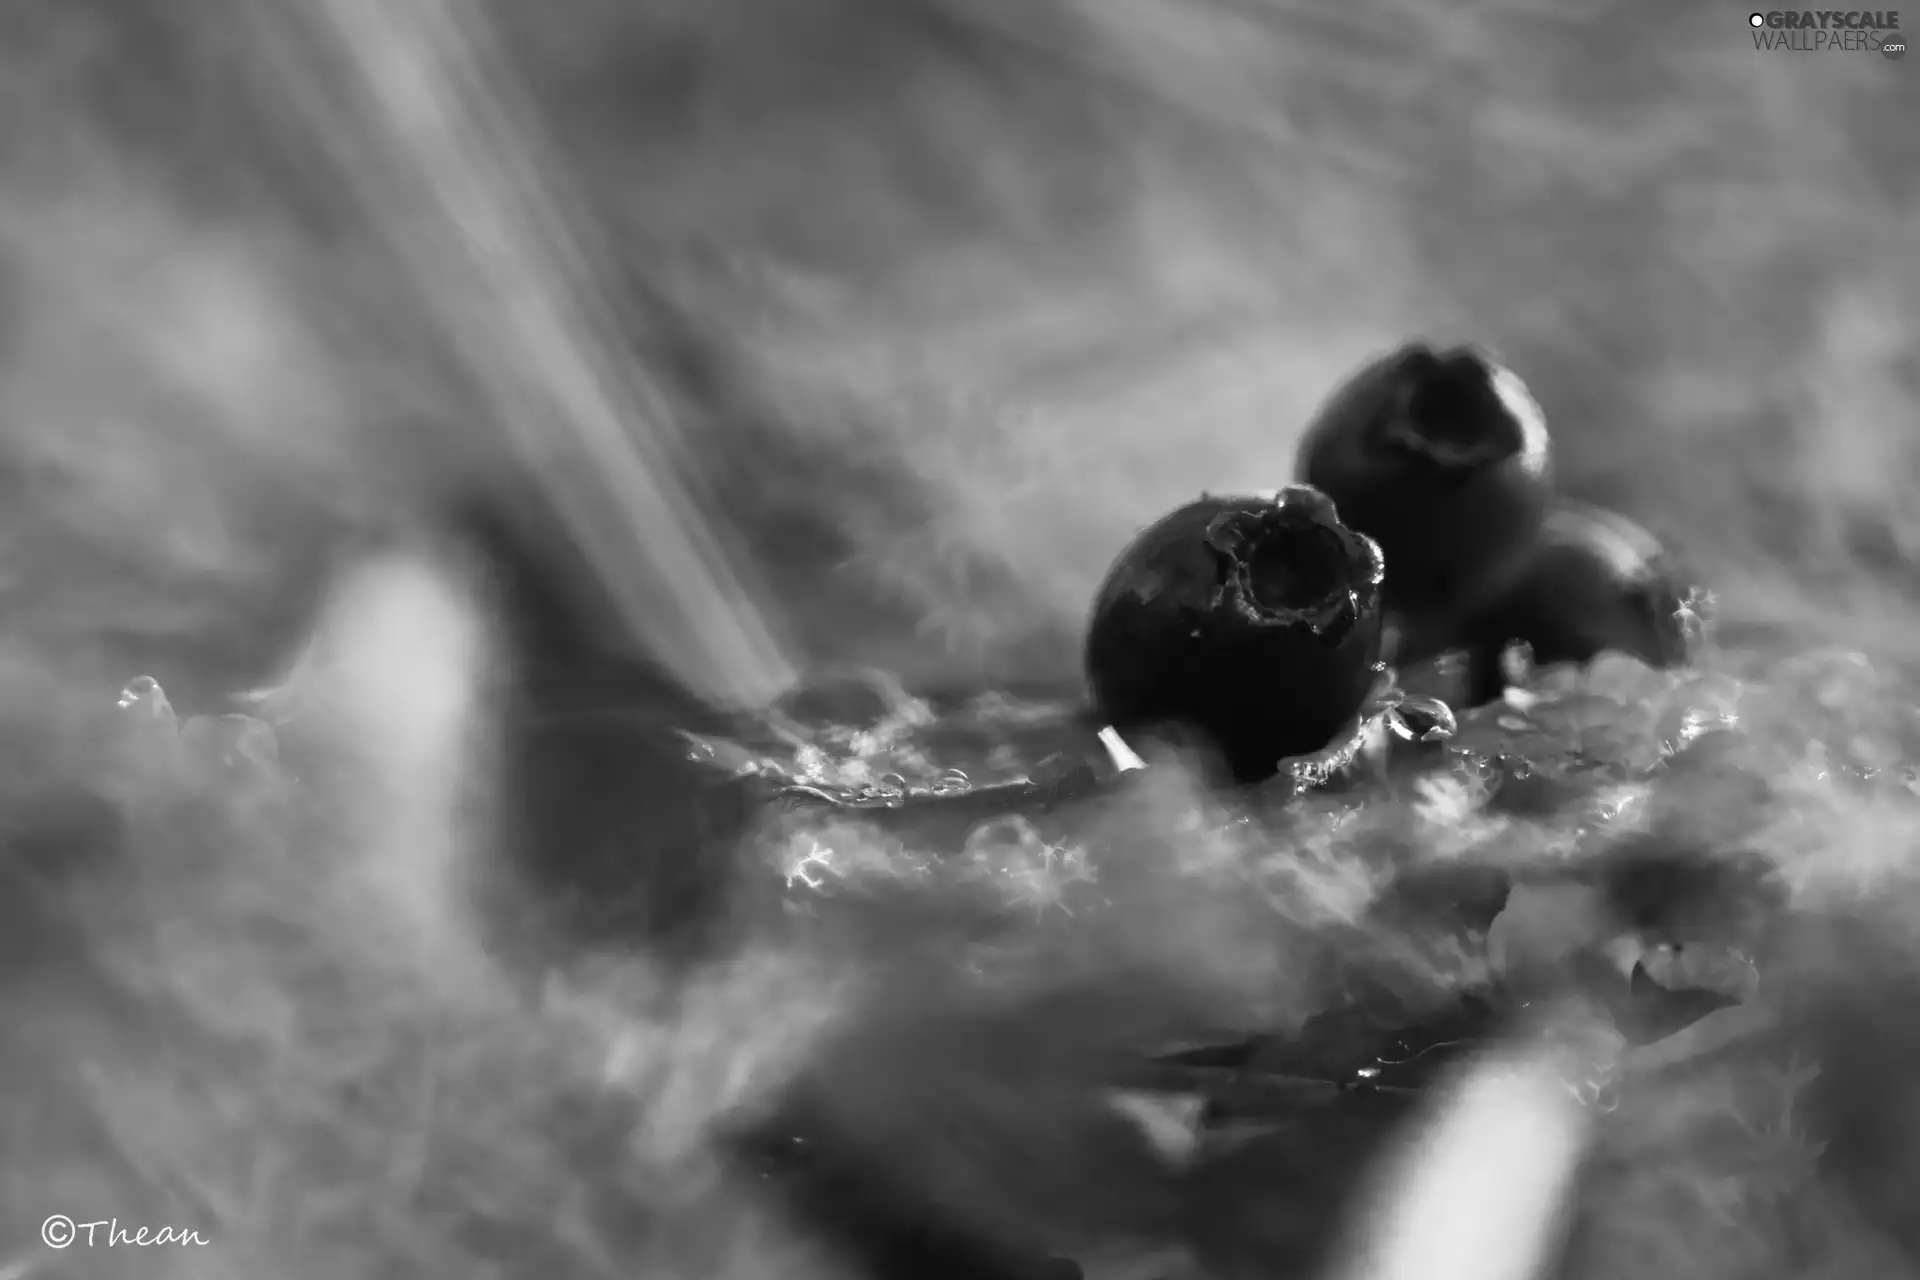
[(1756, 19)]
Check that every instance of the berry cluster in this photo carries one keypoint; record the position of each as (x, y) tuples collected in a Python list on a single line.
[(1423, 522)]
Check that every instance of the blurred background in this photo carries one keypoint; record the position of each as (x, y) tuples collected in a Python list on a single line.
[(949, 296), (877, 327)]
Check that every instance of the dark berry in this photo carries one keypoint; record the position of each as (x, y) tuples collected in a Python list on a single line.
[(1442, 458), (1597, 582), (1252, 623)]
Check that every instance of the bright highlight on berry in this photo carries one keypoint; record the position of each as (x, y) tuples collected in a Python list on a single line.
[(1442, 457)]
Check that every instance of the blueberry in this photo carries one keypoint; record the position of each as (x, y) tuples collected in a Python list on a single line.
[(1440, 456), (1596, 582), (1250, 622)]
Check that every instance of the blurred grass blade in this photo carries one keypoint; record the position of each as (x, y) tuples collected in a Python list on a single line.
[(429, 125), (1481, 1194)]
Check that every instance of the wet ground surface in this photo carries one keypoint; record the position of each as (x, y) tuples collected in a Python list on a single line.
[(1621, 842)]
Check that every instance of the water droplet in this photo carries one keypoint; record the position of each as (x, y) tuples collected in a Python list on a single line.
[(1423, 719)]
